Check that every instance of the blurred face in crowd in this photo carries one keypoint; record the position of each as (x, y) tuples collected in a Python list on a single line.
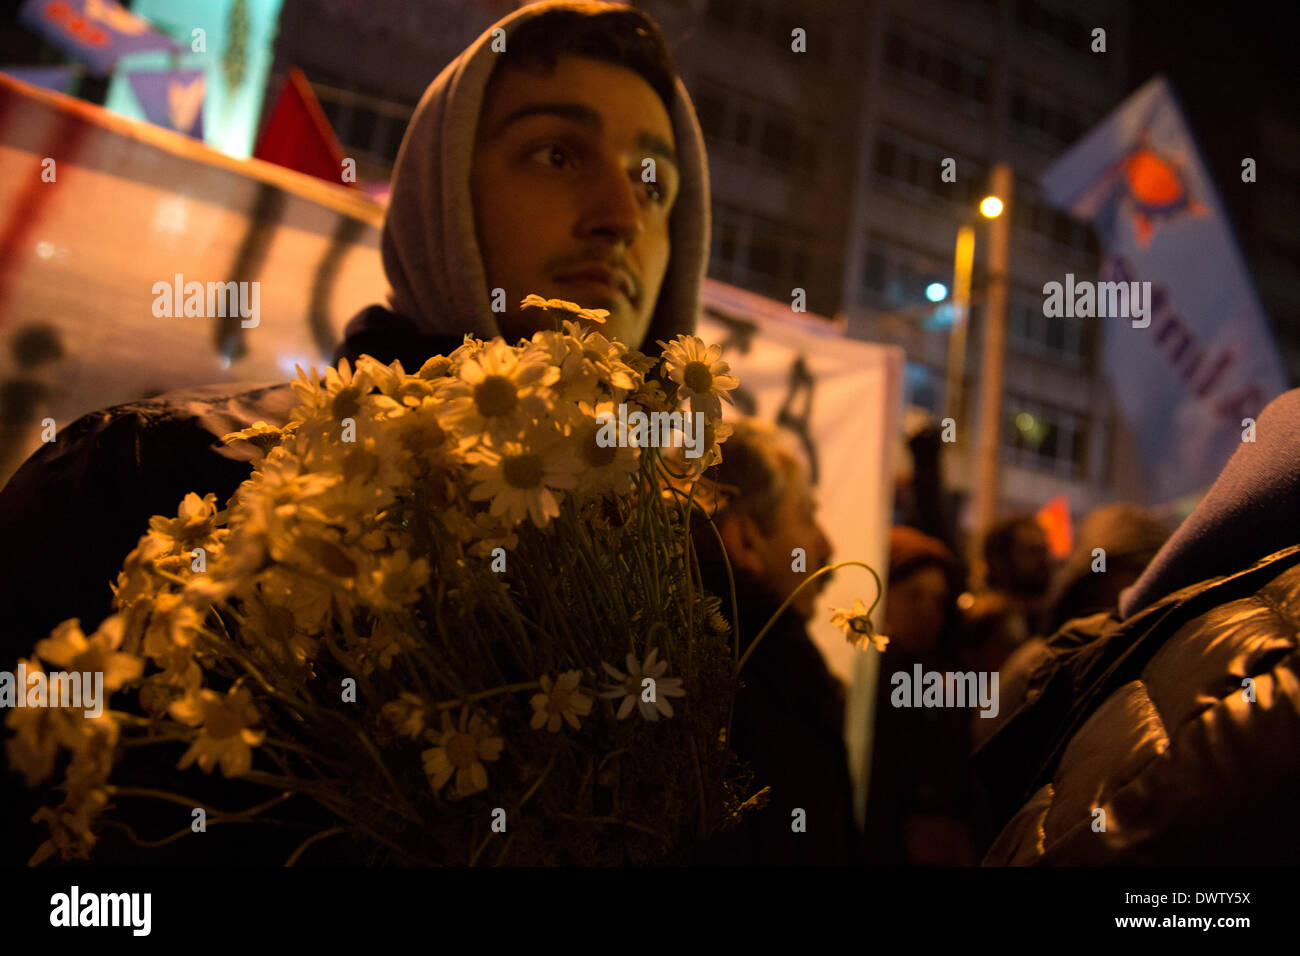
[(561, 208), (916, 610), (1030, 560), (766, 554)]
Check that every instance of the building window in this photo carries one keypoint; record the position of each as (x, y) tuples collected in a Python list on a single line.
[(786, 141), (1043, 437), (905, 159), (915, 57)]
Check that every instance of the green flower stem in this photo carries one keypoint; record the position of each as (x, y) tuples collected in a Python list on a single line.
[(509, 689), (314, 838), (812, 577), (731, 583)]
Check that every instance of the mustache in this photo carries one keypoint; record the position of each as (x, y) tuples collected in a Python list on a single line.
[(616, 262)]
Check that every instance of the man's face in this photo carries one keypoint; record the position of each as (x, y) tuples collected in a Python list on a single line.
[(560, 205), (916, 610), (1030, 560)]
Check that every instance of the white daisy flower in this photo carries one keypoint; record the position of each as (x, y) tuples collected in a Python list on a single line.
[(630, 687)]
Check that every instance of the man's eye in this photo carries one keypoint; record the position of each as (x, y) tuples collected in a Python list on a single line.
[(555, 156), (655, 194)]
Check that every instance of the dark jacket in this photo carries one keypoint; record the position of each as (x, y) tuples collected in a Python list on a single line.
[(76, 508), (788, 727), (1149, 720), (1177, 715)]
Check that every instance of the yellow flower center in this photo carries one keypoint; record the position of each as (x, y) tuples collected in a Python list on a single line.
[(698, 378), (596, 455), (523, 471), (495, 396), (347, 403), (462, 750)]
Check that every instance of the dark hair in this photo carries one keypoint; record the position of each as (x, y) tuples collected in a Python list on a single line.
[(602, 31), (1000, 542)]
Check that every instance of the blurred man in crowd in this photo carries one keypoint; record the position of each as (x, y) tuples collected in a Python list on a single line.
[(789, 714), (919, 804), (520, 171), (1018, 565)]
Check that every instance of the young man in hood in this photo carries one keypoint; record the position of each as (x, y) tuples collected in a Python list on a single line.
[(559, 154)]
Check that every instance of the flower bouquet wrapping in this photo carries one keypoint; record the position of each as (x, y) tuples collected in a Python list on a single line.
[(455, 608)]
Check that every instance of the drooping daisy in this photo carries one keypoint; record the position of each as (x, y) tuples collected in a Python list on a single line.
[(228, 733), (857, 626), (633, 689), (521, 477), (559, 701), (699, 373), (461, 751)]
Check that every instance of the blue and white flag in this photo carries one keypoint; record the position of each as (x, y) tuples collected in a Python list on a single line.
[(1200, 360), (172, 99), (98, 33)]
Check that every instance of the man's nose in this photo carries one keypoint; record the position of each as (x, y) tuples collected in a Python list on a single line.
[(823, 543), (614, 209)]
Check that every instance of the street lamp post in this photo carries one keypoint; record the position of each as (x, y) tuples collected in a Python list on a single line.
[(963, 262), (987, 471)]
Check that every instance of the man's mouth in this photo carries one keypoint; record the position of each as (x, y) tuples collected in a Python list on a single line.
[(613, 280)]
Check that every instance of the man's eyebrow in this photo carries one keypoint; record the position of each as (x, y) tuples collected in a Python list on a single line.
[(586, 116), (657, 145), (575, 112)]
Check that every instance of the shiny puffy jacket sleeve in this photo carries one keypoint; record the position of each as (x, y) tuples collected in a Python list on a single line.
[(1170, 737)]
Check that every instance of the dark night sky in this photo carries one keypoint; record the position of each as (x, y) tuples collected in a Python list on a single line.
[(1222, 59)]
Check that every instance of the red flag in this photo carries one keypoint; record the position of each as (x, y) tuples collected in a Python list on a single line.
[(298, 134), (1055, 521)]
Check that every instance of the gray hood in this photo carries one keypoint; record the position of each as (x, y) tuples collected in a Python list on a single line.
[(430, 252)]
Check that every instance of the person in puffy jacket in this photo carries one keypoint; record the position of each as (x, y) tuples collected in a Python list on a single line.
[(1166, 731), (520, 171)]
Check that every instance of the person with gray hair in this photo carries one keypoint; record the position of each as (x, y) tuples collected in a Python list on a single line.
[(788, 725)]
